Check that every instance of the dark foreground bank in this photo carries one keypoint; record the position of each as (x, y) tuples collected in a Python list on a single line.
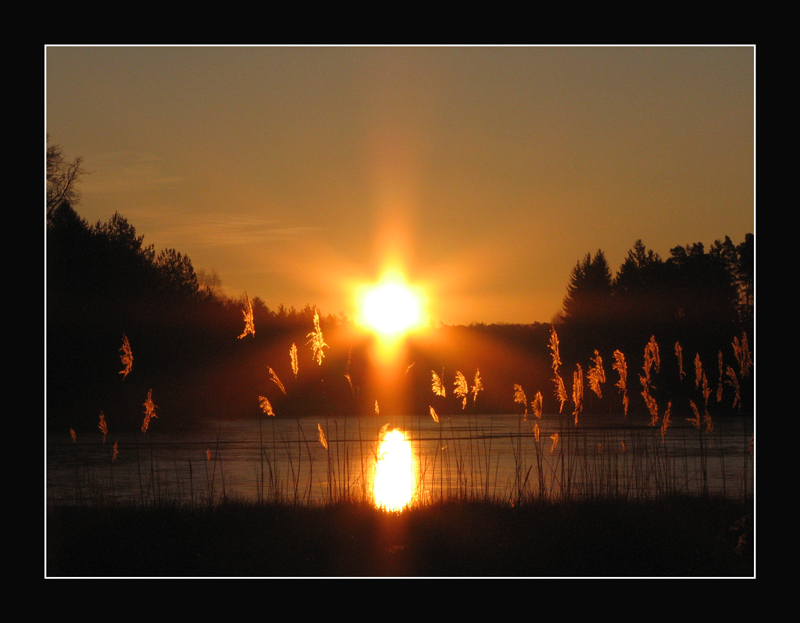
[(678, 537)]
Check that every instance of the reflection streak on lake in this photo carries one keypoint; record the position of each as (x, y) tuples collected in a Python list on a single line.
[(486, 456)]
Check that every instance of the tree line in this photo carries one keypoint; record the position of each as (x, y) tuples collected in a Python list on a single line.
[(692, 286), (699, 295), (105, 286)]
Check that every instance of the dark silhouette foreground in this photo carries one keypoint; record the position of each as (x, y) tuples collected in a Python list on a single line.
[(674, 537)]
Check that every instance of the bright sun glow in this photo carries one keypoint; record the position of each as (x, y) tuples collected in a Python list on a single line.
[(394, 473), (391, 309)]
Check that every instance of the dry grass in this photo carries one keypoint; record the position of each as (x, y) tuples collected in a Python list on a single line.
[(126, 357), (149, 411), (316, 340), (293, 359), (437, 385), (461, 389), (249, 324)]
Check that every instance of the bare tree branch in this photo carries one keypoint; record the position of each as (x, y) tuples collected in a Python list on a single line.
[(62, 177)]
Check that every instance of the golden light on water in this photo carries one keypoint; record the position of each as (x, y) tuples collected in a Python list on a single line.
[(394, 473)]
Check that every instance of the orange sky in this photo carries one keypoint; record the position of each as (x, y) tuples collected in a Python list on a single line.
[(485, 173)]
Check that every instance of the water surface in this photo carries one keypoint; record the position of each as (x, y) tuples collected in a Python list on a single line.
[(491, 456)]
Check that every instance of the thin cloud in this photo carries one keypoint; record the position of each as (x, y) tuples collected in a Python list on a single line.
[(128, 171), (231, 230)]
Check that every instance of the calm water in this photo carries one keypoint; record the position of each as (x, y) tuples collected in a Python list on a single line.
[(493, 456)]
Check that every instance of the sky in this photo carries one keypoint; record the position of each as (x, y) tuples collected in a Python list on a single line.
[(482, 175)]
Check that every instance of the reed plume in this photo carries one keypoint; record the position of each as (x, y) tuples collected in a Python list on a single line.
[(554, 437), (72, 435), (461, 389), (103, 426), (266, 406), (276, 380), (249, 324), (652, 405), (377, 410), (679, 355), (733, 381), (115, 452), (126, 357), (665, 422), (652, 361), (708, 421), (322, 438), (743, 357), (477, 386), (621, 367), (698, 370), (434, 415), (695, 421), (700, 379), (560, 390), (536, 431), (293, 357), (596, 375), (521, 398), (536, 405), (554, 350), (577, 391), (149, 411), (437, 386), (706, 390), (316, 340), (721, 377)]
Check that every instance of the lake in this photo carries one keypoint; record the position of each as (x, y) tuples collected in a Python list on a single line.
[(498, 457)]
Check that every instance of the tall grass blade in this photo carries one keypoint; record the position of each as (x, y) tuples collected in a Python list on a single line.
[(126, 357), (249, 324), (316, 340), (149, 411)]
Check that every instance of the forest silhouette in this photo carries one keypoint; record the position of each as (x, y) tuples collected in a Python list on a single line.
[(105, 287)]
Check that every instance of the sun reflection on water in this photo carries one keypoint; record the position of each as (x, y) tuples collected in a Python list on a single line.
[(394, 473)]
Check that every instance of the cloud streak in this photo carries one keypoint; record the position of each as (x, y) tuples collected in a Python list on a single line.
[(223, 230), (128, 171)]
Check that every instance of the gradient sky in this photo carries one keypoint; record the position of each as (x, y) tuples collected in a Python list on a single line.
[(484, 173)]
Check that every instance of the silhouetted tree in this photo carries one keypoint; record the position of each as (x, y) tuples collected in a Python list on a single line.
[(638, 270), (209, 283), (588, 292), (746, 275), (119, 232), (177, 273), (639, 286), (702, 290)]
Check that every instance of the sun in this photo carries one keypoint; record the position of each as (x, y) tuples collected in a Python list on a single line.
[(391, 308)]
